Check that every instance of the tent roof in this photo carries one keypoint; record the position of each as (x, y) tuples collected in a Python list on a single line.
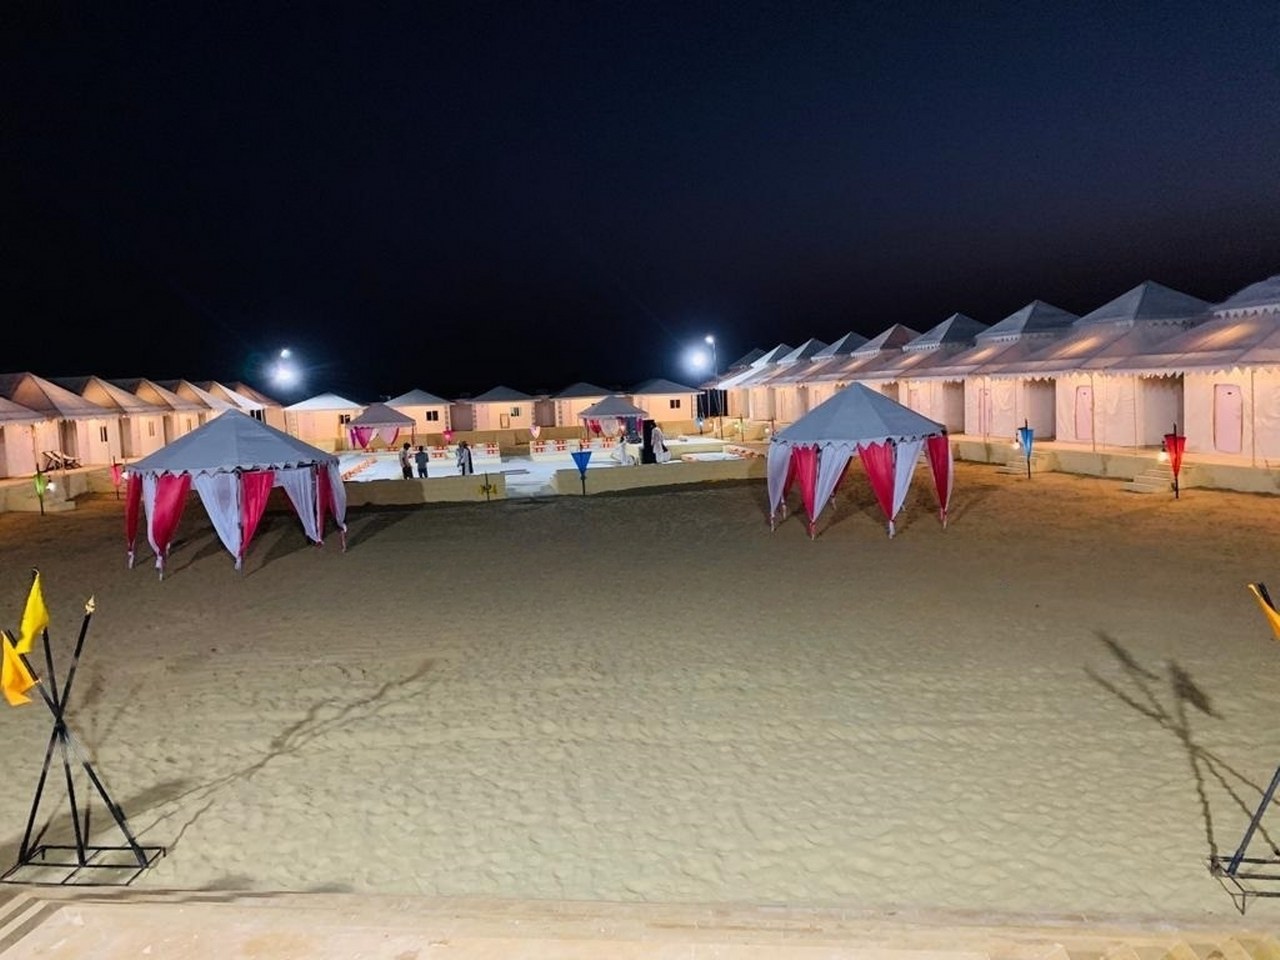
[(772, 356), (1147, 302), (845, 345), (578, 391), (1232, 340), (247, 391), (858, 414), (106, 394), (47, 398), (748, 358), (233, 441), (956, 329), (152, 392), (894, 338), (185, 388), (806, 351), (500, 395), (381, 415), (1265, 294), (323, 401), (613, 407), (417, 398), (660, 386), (237, 400), (1036, 317), (11, 412)]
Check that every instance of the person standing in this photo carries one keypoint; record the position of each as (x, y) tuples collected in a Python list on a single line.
[(406, 468), (420, 458), (464, 459)]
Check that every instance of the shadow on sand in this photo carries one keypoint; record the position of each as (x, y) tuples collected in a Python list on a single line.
[(1170, 700)]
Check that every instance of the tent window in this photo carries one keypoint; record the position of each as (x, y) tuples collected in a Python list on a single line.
[(258, 415), (674, 404), (433, 416), (344, 419), (102, 434), (151, 428), (515, 411)]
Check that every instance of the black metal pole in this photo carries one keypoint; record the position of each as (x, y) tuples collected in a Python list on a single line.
[(1026, 425), (1234, 865)]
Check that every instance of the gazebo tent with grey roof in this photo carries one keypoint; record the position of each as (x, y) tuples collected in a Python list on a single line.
[(381, 421), (233, 462)]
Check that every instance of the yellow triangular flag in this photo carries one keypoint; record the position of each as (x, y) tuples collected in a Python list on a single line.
[(35, 618), (1268, 610), (15, 678)]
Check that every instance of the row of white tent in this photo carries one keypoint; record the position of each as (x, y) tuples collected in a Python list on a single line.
[(1119, 376), (47, 422)]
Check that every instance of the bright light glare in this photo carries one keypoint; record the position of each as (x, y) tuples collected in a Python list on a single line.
[(284, 375), (710, 339), (698, 360), (286, 353)]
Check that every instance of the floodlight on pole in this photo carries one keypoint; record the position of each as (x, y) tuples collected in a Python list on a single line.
[(713, 409)]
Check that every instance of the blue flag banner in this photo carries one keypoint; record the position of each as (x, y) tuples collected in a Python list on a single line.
[(581, 458), (1026, 437)]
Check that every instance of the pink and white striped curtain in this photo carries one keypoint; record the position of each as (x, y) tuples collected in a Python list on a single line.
[(388, 435), (878, 458), (360, 437), (164, 501)]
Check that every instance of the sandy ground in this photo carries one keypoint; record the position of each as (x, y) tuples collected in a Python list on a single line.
[(1063, 703)]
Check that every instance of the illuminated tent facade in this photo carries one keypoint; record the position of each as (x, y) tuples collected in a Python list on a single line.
[(889, 438), (233, 463)]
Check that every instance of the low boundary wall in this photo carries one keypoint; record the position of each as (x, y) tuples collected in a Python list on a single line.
[(653, 475)]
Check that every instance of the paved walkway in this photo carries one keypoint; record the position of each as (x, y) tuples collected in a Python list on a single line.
[(115, 924)]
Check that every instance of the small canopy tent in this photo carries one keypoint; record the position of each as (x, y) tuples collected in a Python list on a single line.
[(379, 420), (888, 436), (605, 417), (233, 462)]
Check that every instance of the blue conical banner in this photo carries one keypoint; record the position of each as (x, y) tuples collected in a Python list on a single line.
[(1026, 437), (581, 458)]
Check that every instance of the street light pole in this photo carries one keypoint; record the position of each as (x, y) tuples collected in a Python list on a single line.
[(714, 409)]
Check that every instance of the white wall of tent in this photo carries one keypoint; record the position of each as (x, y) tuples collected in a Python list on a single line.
[(1117, 377)]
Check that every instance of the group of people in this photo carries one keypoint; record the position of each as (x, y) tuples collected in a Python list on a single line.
[(409, 460)]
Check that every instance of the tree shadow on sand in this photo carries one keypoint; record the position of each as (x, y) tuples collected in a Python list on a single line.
[(321, 717), (1141, 690)]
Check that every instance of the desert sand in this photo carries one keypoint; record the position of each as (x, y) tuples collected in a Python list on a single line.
[(1063, 703)]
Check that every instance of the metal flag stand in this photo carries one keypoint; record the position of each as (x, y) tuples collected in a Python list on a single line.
[(1239, 873), (80, 863)]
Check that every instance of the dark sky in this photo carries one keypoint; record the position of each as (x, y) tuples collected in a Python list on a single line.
[(452, 196)]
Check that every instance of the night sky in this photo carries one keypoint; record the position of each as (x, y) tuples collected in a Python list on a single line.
[(453, 196)]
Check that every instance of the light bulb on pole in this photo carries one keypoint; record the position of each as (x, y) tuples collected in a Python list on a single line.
[(713, 404)]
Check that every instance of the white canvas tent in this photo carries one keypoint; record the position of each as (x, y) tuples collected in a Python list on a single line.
[(233, 462), (858, 421)]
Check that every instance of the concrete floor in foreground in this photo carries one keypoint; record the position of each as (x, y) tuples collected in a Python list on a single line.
[(116, 924)]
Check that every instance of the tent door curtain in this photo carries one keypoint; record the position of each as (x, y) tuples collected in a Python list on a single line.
[(361, 436), (1228, 418), (389, 435), (1084, 414), (805, 463)]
